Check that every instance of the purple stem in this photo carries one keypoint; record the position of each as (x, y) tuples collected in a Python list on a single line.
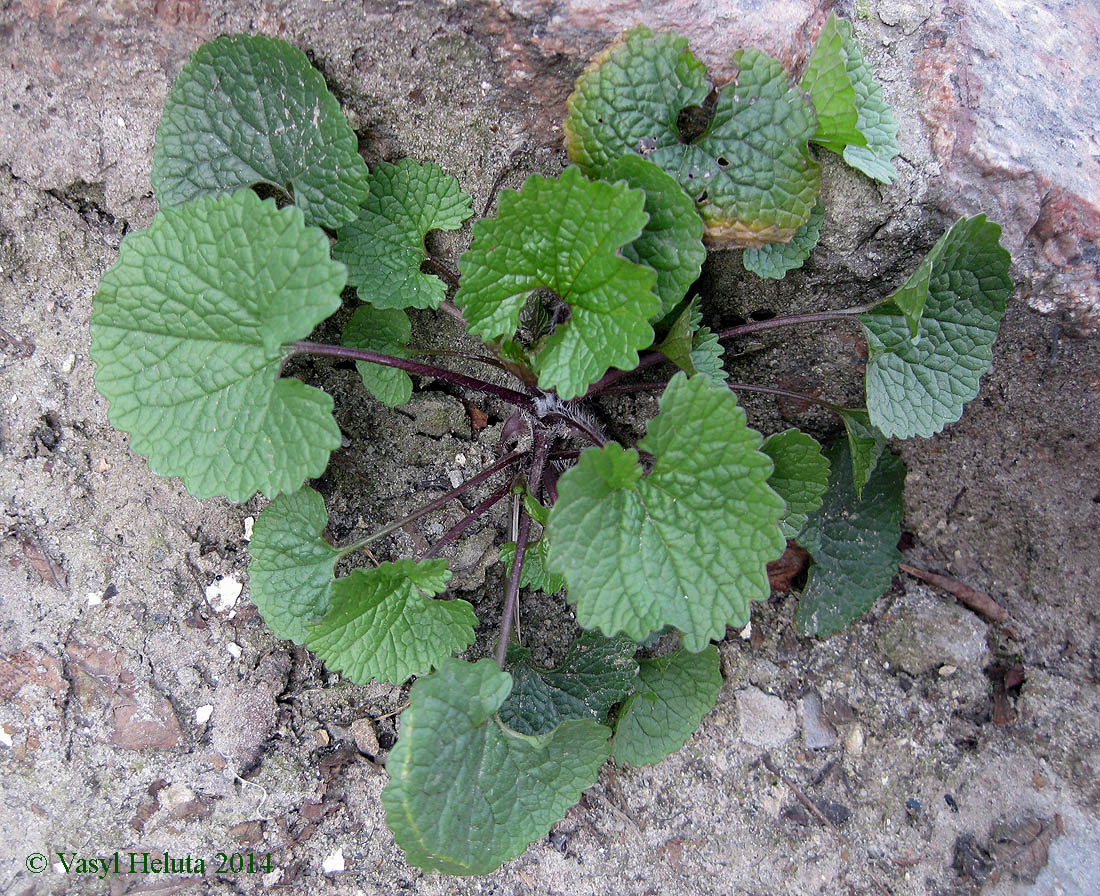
[(304, 347), (539, 450), (463, 524), (791, 321)]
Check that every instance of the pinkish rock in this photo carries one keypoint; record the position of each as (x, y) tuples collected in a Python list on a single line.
[(1009, 93)]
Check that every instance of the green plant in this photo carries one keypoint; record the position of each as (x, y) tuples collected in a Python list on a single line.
[(576, 284)]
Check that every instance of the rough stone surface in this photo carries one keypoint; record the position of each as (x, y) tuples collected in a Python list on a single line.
[(926, 633), (105, 633), (764, 720), (817, 732)]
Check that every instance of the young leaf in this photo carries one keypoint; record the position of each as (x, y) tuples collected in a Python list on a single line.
[(853, 116), (251, 110), (596, 673), (188, 333), (853, 542), (383, 625), (674, 692), (630, 96), (800, 477), (749, 170), (384, 246), (915, 386), (291, 573), (385, 330), (686, 545), (534, 573), (865, 445), (564, 235), (774, 260), (466, 793), (694, 348), (672, 241)]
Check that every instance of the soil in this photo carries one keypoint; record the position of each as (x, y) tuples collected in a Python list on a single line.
[(145, 710)]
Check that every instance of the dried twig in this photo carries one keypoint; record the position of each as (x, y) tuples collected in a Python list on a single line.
[(978, 601)]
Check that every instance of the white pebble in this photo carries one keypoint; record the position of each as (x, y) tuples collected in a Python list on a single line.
[(203, 713), (5, 738), (334, 863), (94, 598), (746, 632), (248, 523), (221, 594), (234, 650)]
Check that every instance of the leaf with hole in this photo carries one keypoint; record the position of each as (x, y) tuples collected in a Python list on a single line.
[(188, 336), (917, 385), (466, 793), (686, 545), (564, 235), (384, 246), (673, 694), (250, 110), (853, 117), (748, 167), (596, 673), (387, 331), (853, 543)]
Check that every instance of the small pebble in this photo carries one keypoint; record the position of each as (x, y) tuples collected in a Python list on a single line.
[(334, 863), (362, 730), (5, 738), (248, 522), (853, 741), (947, 671), (203, 713), (234, 650), (222, 593), (68, 364)]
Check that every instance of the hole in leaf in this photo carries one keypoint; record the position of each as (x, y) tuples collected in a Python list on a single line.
[(723, 162)]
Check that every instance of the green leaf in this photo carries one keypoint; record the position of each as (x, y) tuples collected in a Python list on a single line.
[(800, 477), (853, 542), (596, 673), (672, 241), (291, 574), (865, 445), (534, 573), (630, 96), (853, 116), (188, 333), (252, 110), (686, 545), (694, 348), (674, 693), (466, 793), (774, 260), (751, 172), (564, 235), (383, 625), (385, 330), (384, 246), (917, 385)]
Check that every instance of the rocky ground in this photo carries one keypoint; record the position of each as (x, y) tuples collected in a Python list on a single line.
[(923, 751)]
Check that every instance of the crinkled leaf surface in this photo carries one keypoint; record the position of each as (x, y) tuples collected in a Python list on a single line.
[(674, 692), (686, 545), (672, 241), (853, 542), (467, 793), (382, 623), (774, 260), (291, 573), (800, 477), (564, 235), (384, 330), (865, 445), (188, 333), (384, 246), (596, 673), (248, 110), (750, 170), (853, 116), (915, 386), (629, 98)]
